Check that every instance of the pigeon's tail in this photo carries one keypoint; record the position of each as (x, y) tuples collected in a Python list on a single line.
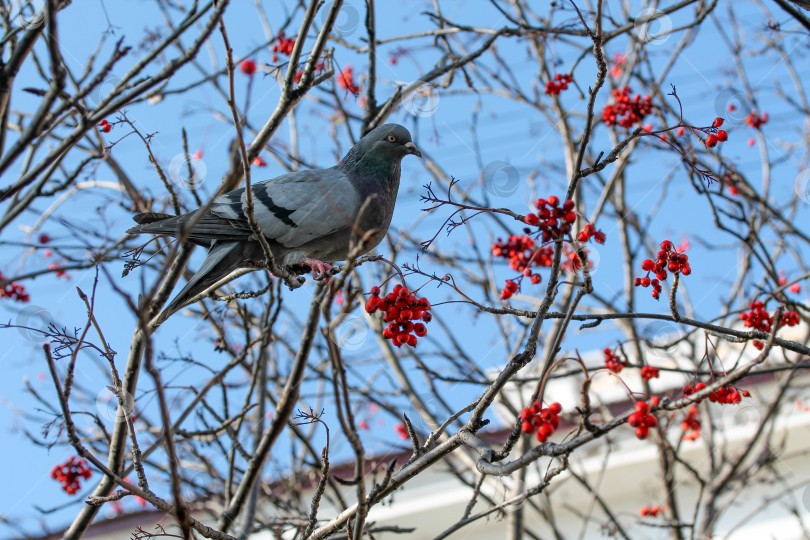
[(223, 258)]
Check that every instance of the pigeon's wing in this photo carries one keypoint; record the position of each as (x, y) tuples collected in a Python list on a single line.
[(198, 227), (296, 208)]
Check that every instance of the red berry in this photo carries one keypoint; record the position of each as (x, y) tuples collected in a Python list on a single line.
[(419, 329), (722, 136), (717, 122), (247, 66), (666, 245), (546, 430), (553, 200), (531, 219), (371, 304)]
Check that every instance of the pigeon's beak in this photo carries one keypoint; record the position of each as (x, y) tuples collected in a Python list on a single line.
[(412, 149)]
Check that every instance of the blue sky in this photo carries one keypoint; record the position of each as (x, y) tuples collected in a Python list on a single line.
[(506, 131)]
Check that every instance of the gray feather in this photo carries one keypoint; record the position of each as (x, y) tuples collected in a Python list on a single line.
[(304, 215)]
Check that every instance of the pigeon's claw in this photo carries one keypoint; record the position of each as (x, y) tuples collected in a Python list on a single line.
[(319, 268)]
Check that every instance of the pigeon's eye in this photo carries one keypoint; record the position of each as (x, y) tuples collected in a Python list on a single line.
[(391, 138)]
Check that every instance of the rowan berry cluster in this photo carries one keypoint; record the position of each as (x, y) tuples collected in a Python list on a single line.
[(345, 80), (612, 361), (554, 220), (560, 83), (691, 424), (522, 253), (759, 319), (60, 272), (642, 420), (543, 422), (795, 288), (571, 262), (402, 431), (725, 395), (69, 472), (404, 311), (590, 232), (754, 120), (300, 72), (105, 126), (688, 390), (627, 110), (668, 259), (284, 45), (13, 290), (617, 68), (717, 136), (649, 372), (651, 511)]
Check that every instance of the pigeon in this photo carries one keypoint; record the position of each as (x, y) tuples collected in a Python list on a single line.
[(309, 218)]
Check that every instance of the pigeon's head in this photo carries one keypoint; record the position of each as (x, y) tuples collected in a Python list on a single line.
[(389, 142)]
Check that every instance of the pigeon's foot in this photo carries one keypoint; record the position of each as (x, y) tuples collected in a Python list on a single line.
[(319, 268)]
